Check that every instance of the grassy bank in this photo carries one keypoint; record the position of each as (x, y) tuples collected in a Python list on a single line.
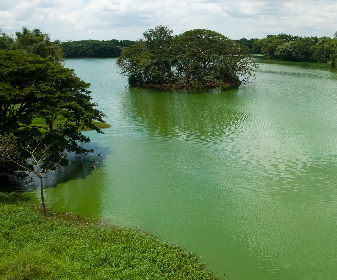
[(64, 246)]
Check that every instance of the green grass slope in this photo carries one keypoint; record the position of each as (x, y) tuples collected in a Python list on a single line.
[(64, 246)]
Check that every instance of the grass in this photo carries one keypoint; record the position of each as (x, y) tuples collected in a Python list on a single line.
[(63, 246)]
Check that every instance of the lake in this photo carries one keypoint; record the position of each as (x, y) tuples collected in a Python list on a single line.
[(244, 178)]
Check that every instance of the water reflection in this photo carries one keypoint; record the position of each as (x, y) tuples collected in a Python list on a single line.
[(75, 191), (269, 152), (204, 118), (79, 166), (282, 147)]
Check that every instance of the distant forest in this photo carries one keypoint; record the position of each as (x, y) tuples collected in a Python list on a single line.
[(295, 48), (274, 47), (94, 48)]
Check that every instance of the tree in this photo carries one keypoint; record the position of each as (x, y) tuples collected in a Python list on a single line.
[(324, 49), (159, 43), (295, 48), (247, 42), (287, 51), (300, 49), (40, 99), (37, 150), (135, 62), (304, 48), (5, 41), (195, 59), (148, 62), (34, 42), (208, 58), (269, 46), (38, 43)]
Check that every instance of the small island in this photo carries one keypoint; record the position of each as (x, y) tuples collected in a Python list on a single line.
[(195, 59)]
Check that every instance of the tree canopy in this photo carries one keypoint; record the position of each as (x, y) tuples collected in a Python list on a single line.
[(247, 42), (295, 48), (194, 59), (42, 100), (34, 42)]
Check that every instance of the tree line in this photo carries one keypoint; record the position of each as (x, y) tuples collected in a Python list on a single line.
[(94, 48), (274, 47), (296, 48), (37, 42)]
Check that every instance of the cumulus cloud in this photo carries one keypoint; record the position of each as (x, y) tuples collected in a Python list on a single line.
[(128, 19)]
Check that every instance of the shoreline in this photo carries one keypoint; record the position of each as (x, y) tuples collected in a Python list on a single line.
[(64, 245)]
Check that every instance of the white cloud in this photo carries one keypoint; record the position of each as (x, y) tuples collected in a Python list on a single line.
[(128, 19)]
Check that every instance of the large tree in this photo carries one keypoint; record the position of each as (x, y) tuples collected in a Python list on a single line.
[(40, 99), (195, 59), (34, 42), (149, 60)]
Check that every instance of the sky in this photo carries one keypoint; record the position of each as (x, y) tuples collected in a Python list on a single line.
[(128, 19)]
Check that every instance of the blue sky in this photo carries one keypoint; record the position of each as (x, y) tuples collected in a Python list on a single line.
[(128, 19)]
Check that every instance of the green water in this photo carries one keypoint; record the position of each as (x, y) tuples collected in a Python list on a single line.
[(246, 178)]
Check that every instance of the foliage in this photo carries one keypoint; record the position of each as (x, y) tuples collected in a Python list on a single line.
[(148, 61), (39, 43), (136, 63), (247, 42), (304, 47), (295, 48), (5, 41), (94, 48), (34, 42), (268, 45), (159, 43), (210, 58), (286, 51), (64, 246), (300, 49), (32, 87), (195, 59), (7, 144), (324, 49)]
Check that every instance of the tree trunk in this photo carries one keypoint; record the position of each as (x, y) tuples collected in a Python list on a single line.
[(42, 197)]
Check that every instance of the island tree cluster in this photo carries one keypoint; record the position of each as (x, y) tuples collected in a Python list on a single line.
[(194, 59)]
